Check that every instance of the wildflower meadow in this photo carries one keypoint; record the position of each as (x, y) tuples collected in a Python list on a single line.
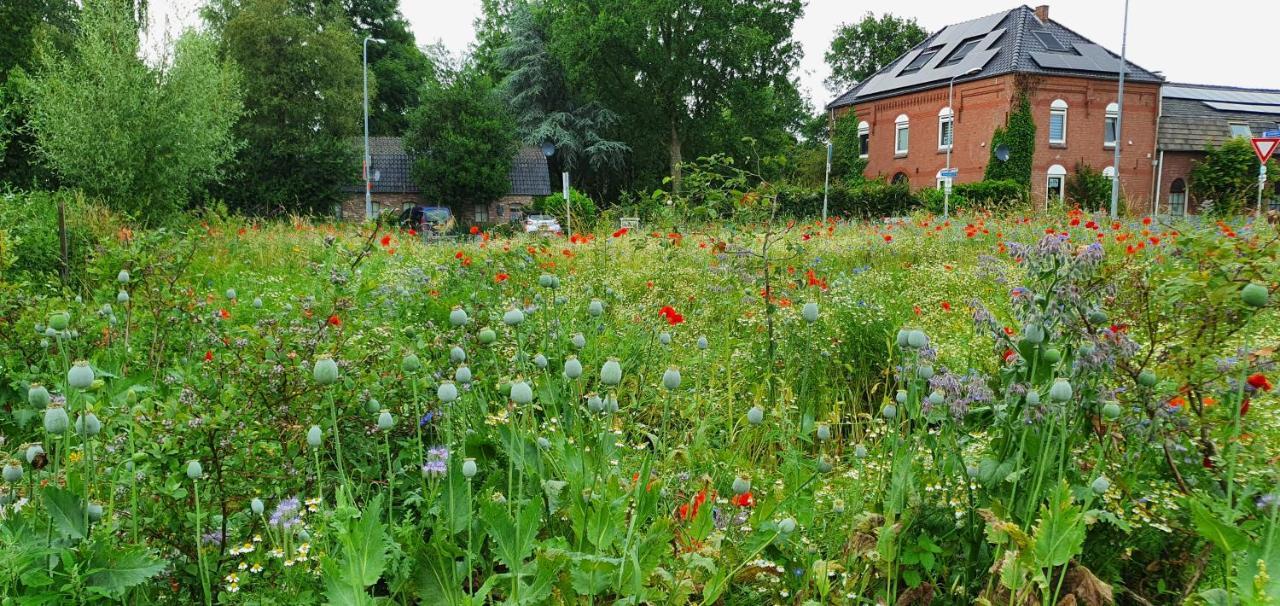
[(992, 409)]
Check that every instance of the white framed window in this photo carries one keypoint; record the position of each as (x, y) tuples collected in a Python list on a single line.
[(946, 129), (480, 214), (1178, 198), (864, 139), (1055, 184), (1240, 129), (901, 135), (1111, 125), (1058, 122)]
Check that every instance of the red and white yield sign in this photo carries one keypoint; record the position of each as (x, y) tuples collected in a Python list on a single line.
[(1264, 146)]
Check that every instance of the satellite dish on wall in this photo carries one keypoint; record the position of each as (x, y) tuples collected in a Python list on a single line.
[(1002, 153), (377, 175), (548, 149)]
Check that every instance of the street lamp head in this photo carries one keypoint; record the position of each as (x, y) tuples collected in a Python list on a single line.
[(374, 40), (972, 71), (548, 149)]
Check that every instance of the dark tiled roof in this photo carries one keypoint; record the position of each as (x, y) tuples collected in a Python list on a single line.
[(1013, 41), (1192, 115), (392, 166)]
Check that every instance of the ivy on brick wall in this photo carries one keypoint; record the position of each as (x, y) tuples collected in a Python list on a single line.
[(1019, 136)]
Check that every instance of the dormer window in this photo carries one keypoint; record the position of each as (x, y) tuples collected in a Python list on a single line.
[(920, 61), (962, 50)]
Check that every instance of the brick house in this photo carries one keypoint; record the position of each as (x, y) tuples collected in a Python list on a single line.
[(906, 126), (1194, 116), (393, 187)]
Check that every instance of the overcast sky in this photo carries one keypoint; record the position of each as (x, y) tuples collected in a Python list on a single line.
[(1214, 44)]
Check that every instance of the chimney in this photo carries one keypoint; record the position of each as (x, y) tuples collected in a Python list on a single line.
[(1042, 13)]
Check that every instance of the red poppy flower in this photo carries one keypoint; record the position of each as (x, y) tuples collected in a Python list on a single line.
[(743, 500), (386, 240), (1259, 381), (621, 232), (888, 238), (208, 356), (475, 229), (334, 320), (1146, 220), (946, 306), (224, 314), (500, 278), (1244, 407)]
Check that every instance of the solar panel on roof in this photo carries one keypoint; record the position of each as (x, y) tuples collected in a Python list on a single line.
[(1050, 43), (920, 61), (1222, 95), (957, 55), (1245, 107)]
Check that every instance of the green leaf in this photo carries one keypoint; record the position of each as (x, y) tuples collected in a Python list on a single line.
[(366, 546), (112, 570), (514, 541), (1060, 534), (1224, 536), (65, 511)]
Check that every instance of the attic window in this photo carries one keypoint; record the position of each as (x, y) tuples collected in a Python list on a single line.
[(962, 50), (1050, 43), (1239, 129), (920, 61)]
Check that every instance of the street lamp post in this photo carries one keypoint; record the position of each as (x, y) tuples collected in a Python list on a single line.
[(946, 184), (548, 150), (368, 184), (1115, 177)]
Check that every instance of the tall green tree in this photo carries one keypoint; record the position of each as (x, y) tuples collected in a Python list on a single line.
[(1227, 177), (302, 81), (144, 139), (462, 139), (860, 49), (397, 67), (546, 110), (29, 30), (673, 68)]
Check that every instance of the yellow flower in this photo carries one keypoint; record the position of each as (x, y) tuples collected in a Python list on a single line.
[(74, 457)]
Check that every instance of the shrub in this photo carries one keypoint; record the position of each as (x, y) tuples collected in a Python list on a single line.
[(979, 195), (584, 209), (1088, 189), (866, 199), (29, 222)]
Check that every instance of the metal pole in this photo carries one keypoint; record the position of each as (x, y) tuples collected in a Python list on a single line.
[(1262, 184), (826, 185), (1115, 178), (368, 185), (951, 123), (568, 212)]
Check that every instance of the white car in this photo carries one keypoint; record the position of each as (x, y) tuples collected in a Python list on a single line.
[(541, 223)]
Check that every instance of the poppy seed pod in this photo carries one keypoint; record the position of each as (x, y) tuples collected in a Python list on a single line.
[(917, 339), (1033, 398), (410, 363), (561, 300), (1254, 295), (860, 451), (325, 370), (595, 308), (1033, 334), (741, 485), (1097, 316), (546, 280), (513, 316), (925, 372), (458, 316), (37, 395), (13, 472), (457, 355), (904, 338), (231, 293), (787, 526), (122, 297), (824, 432), (469, 468), (1111, 411), (824, 466), (755, 415), (34, 451), (447, 392), (123, 276), (487, 336), (900, 397), (521, 392), (702, 342), (594, 403), (540, 361), (59, 320), (611, 404), (544, 443), (80, 376), (1052, 355), (1101, 485), (572, 368), (95, 512), (256, 506), (1086, 350), (937, 398), (579, 341), (88, 425), (671, 378), (1147, 378), (385, 421), (809, 312), (611, 372), (257, 302), (314, 436), (372, 406), (462, 374), (664, 338), (1061, 390), (55, 419), (889, 412), (194, 470)]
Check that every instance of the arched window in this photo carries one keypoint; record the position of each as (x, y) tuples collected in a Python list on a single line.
[(864, 139), (902, 135), (1109, 172), (1055, 184), (1058, 122), (946, 131), (1111, 125), (1178, 198), (901, 179)]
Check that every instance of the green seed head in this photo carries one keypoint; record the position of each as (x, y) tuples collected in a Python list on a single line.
[(579, 341), (55, 419), (741, 485), (487, 336), (59, 320), (1061, 390), (572, 368), (447, 391), (458, 316), (385, 421), (194, 470), (325, 370), (1111, 411), (1101, 485), (469, 468), (95, 512), (410, 363), (824, 432), (457, 355), (810, 312), (37, 395), (314, 436), (521, 392), (88, 425), (462, 374), (671, 378), (12, 471), (595, 308), (787, 526), (755, 415), (123, 276), (1147, 378), (513, 316), (1254, 295), (33, 451), (256, 506), (80, 375), (611, 372), (595, 403)]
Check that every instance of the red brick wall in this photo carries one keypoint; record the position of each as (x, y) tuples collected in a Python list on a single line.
[(1178, 165), (499, 211), (981, 106), (353, 205)]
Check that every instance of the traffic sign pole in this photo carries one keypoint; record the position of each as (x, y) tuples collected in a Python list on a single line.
[(1264, 146)]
